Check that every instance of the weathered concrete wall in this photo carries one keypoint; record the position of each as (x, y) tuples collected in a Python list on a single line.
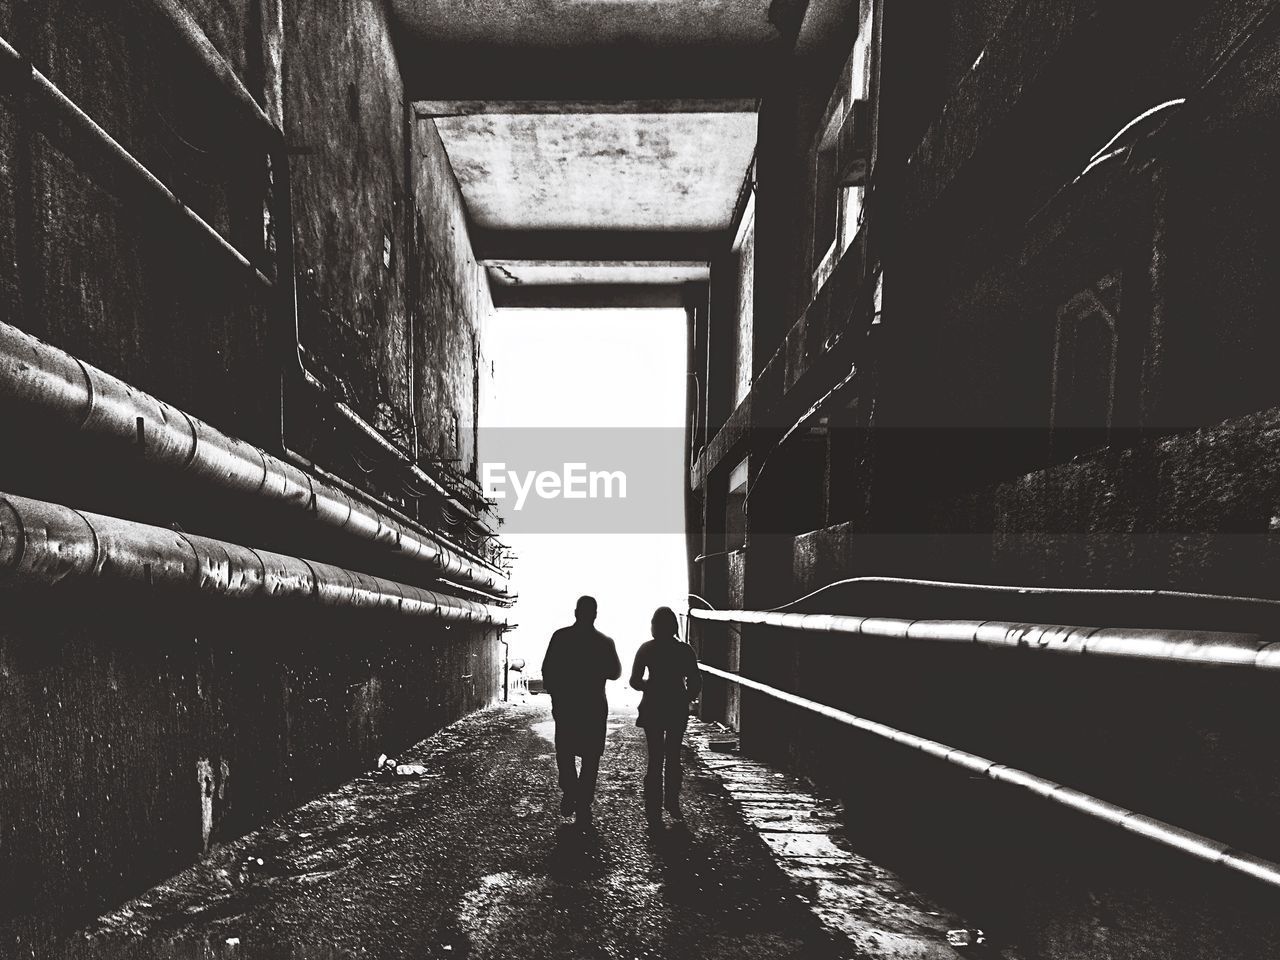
[(391, 297), (116, 282), (1195, 511), (452, 304), (744, 275), (138, 732), (951, 467), (1186, 745), (969, 26), (113, 710), (344, 105)]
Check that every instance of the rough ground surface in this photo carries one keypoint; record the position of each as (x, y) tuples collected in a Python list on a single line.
[(853, 897), (474, 860)]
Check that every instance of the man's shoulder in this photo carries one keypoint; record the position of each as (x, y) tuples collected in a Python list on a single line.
[(562, 632)]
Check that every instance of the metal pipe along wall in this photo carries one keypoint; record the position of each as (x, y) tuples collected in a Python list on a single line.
[(36, 378), (1163, 833), (1206, 648), (18, 71), (51, 544)]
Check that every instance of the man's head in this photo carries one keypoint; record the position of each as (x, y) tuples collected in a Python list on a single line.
[(585, 611)]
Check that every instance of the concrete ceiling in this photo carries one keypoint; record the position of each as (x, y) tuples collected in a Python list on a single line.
[(594, 273), (574, 126), (595, 49), (589, 23), (603, 183), (666, 171), (609, 50)]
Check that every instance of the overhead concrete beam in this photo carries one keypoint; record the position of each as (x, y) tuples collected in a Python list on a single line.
[(427, 109), (587, 264), (596, 246), (596, 75), (591, 296)]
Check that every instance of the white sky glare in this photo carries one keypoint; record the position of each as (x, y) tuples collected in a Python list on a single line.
[(592, 368)]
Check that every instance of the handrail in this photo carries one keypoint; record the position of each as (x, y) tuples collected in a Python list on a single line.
[(1204, 648), (1037, 592), (1168, 835)]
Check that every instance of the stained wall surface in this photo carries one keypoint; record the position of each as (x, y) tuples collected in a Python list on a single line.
[(1027, 371), (137, 729)]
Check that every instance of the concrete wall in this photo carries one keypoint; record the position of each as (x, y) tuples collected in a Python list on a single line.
[(744, 276), (452, 304), (400, 341), (942, 461), (133, 731), (137, 732), (344, 102), (88, 271)]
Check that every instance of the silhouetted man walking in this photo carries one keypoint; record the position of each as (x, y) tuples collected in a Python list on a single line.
[(578, 662)]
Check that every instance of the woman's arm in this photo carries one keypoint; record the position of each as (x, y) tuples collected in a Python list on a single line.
[(637, 669), (693, 676)]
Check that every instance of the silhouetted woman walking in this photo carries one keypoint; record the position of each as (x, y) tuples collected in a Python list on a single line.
[(673, 680)]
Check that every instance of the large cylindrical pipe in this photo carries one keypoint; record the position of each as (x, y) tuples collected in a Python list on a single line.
[(189, 33), (1205, 648), (39, 379), (1163, 833), (230, 462), (50, 544)]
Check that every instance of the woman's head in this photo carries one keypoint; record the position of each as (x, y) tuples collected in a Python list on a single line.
[(664, 625)]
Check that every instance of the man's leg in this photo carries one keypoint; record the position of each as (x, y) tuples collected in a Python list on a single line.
[(653, 775), (675, 736), (568, 774), (587, 786)]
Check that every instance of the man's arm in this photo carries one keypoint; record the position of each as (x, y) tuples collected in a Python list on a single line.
[(613, 666), (637, 670), (550, 665)]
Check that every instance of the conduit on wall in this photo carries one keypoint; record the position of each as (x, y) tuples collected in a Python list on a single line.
[(51, 544), (36, 378), (19, 75), (1167, 835), (1207, 648)]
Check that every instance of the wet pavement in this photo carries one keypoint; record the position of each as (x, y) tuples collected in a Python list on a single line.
[(474, 860)]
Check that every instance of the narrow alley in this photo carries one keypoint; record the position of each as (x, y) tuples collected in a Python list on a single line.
[(402, 401)]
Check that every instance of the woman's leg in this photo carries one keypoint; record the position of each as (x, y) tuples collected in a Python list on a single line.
[(654, 734), (671, 753)]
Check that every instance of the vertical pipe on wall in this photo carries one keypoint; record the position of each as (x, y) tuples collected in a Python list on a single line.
[(411, 267)]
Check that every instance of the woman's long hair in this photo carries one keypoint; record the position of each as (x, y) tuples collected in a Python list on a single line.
[(664, 618)]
